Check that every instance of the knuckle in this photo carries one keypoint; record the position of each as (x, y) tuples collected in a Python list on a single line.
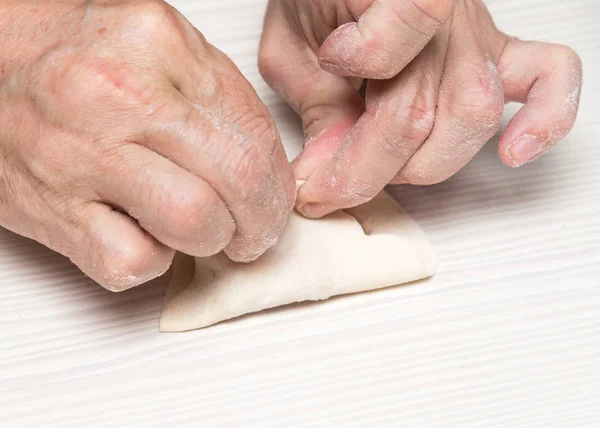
[(244, 160), (570, 74), (566, 54), (418, 122), (259, 124), (188, 212), (77, 83), (487, 113), (242, 107), (58, 67), (269, 64), (151, 17), (251, 169), (479, 111), (411, 127), (396, 147)]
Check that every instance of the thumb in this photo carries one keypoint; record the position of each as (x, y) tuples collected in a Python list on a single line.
[(386, 38), (328, 105)]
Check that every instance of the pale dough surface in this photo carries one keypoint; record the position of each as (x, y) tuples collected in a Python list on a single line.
[(373, 246), (505, 335)]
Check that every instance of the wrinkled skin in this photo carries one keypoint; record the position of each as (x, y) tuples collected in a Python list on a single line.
[(125, 136), (439, 75)]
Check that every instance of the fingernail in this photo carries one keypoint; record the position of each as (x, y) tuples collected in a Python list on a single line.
[(314, 210), (525, 149)]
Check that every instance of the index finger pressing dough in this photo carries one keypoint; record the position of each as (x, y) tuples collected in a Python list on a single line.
[(372, 246)]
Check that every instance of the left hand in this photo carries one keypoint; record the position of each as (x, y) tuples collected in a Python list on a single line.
[(440, 73), (125, 135)]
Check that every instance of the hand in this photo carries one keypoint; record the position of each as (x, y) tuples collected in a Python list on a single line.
[(125, 136), (440, 73)]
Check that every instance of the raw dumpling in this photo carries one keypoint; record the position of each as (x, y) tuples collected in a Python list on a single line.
[(372, 246)]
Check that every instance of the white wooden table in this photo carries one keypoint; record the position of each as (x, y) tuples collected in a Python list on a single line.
[(506, 335)]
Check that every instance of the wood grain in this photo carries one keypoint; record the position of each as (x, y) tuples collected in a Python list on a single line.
[(507, 334)]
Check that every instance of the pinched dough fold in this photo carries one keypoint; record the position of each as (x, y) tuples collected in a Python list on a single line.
[(372, 246)]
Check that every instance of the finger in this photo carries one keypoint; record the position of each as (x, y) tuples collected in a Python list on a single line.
[(207, 77), (386, 38), (105, 244), (108, 246), (548, 79), (470, 106), (176, 207), (115, 252), (233, 162), (400, 116), (328, 105)]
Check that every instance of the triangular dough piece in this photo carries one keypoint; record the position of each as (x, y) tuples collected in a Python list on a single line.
[(372, 246)]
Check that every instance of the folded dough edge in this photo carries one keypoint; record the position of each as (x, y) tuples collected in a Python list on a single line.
[(373, 246)]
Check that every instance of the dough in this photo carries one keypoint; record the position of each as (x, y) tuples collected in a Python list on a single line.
[(372, 246)]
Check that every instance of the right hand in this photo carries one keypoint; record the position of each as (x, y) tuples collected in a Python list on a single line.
[(438, 73), (125, 136)]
